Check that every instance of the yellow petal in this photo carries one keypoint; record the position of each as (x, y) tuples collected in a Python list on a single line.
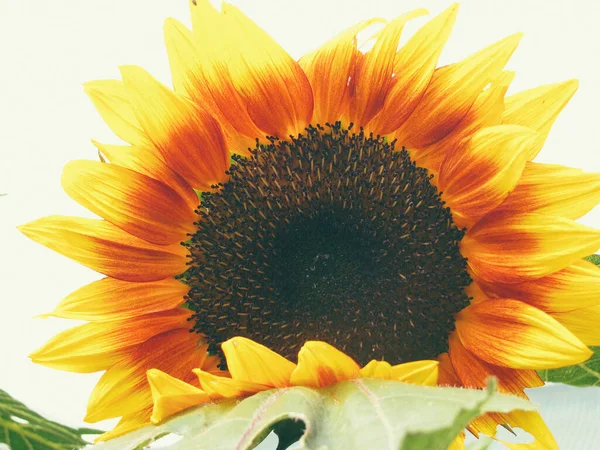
[(377, 369), (105, 248), (199, 70), (222, 387), (113, 101), (539, 107), (514, 334), (531, 422), (320, 365), (554, 190), (127, 424), (474, 372), (124, 388), (189, 139), (414, 66), (171, 395), (110, 299), (582, 322), (417, 372), (477, 176), (575, 286), (451, 93), (328, 70), (458, 443), (373, 77), (485, 112), (513, 248), (145, 161), (98, 345), (275, 90), (255, 363), (136, 203)]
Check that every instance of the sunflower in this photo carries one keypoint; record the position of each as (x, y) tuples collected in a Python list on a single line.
[(274, 222)]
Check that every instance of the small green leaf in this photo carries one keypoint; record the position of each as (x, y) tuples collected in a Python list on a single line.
[(594, 258), (357, 414), (585, 374), (24, 429)]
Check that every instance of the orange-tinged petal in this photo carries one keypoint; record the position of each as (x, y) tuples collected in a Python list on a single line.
[(97, 345), (320, 365), (575, 286), (533, 423), (373, 77), (113, 101), (476, 293), (539, 107), (199, 71), (188, 138), (417, 372), (143, 160), (170, 395), (582, 322), (111, 299), (510, 333), (249, 361), (477, 176), (554, 190), (451, 93), (485, 112), (513, 248), (377, 369), (124, 388), (473, 372), (136, 203), (414, 66), (107, 249), (275, 90), (127, 424), (222, 387), (328, 69), (446, 374)]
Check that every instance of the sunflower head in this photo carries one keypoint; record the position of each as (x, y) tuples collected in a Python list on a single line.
[(274, 222)]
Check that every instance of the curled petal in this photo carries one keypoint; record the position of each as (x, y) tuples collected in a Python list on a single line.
[(477, 176), (510, 333), (414, 66), (105, 248), (98, 345), (451, 93), (255, 363), (554, 190), (136, 203), (320, 365), (110, 299), (170, 395), (188, 139), (223, 387), (513, 248), (416, 372)]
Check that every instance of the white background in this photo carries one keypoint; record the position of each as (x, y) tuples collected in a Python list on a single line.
[(49, 48)]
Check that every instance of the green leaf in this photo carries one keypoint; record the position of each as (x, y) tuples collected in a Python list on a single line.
[(24, 429), (353, 415), (585, 374)]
